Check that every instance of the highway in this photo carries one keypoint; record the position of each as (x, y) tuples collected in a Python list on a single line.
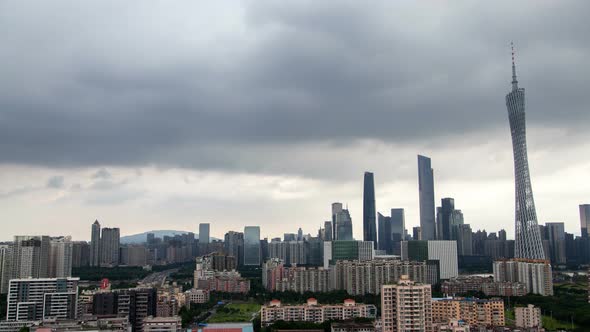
[(157, 278)]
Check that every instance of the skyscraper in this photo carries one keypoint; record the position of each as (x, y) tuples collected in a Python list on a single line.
[(584, 219), (328, 232), (109, 247), (556, 235), (95, 244), (60, 257), (343, 225), (369, 213), (336, 207), (384, 233), (527, 240), (426, 196), (252, 245), (204, 233)]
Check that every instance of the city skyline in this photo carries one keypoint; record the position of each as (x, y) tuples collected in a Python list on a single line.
[(273, 112)]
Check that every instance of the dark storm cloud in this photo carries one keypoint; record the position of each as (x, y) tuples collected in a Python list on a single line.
[(79, 89), (55, 182)]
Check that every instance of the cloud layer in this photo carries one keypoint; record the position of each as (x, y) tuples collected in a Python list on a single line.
[(305, 92)]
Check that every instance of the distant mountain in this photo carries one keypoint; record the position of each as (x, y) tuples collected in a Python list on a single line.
[(142, 237)]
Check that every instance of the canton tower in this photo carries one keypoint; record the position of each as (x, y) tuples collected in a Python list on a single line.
[(528, 242)]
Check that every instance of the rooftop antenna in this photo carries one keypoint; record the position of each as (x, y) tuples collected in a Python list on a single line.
[(514, 81)]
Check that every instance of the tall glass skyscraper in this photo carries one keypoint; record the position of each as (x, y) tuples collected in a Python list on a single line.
[(584, 219), (426, 192), (204, 231), (528, 242), (369, 213), (252, 245)]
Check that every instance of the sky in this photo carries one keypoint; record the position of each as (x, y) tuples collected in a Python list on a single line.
[(159, 115)]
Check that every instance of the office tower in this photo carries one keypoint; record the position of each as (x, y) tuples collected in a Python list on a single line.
[(234, 245), (336, 208), (445, 252), (444, 218), (465, 240), (426, 197), (80, 254), (535, 274), (95, 244), (30, 257), (299, 234), (204, 233), (343, 225), (406, 306), (288, 237), (60, 257), (556, 234), (252, 245), (44, 298), (385, 235), (527, 239), (328, 232), (369, 211), (502, 234), (109, 247), (584, 219), (315, 251), (398, 222), (416, 233)]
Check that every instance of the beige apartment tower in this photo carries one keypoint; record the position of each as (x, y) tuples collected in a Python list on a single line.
[(406, 306)]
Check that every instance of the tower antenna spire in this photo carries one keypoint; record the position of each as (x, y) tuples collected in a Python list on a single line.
[(514, 81)]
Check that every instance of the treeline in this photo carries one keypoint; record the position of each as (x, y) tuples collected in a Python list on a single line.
[(112, 273)]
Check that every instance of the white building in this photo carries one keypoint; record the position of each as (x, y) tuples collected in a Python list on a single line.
[(528, 317), (162, 324), (535, 274), (314, 312), (197, 295), (406, 306), (446, 253), (60, 257), (38, 299)]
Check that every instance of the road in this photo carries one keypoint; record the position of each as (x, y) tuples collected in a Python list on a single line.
[(157, 278)]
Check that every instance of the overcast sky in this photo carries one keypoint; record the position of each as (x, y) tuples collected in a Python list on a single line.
[(157, 115)]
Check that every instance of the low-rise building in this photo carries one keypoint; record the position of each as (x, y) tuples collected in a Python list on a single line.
[(314, 312), (475, 312), (528, 317), (162, 324), (352, 327), (465, 284)]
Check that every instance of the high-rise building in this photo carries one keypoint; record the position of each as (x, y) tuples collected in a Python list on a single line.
[(426, 191), (328, 232), (448, 220), (136, 303), (5, 267), (369, 210), (252, 245), (343, 225), (367, 277), (60, 257), (445, 252), (95, 244), (406, 306), (30, 257), (416, 233), (527, 240), (556, 236), (80, 254), (109, 247), (336, 208), (299, 234), (42, 298), (465, 240), (585, 219), (535, 274), (384, 234), (234, 245), (204, 233), (398, 222)]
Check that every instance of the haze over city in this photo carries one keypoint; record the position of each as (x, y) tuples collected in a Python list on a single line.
[(264, 113)]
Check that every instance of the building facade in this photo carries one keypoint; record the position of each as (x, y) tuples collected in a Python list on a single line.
[(406, 306), (369, 210), (476, 312), (528, 317), (252, 245), (536, 275)]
